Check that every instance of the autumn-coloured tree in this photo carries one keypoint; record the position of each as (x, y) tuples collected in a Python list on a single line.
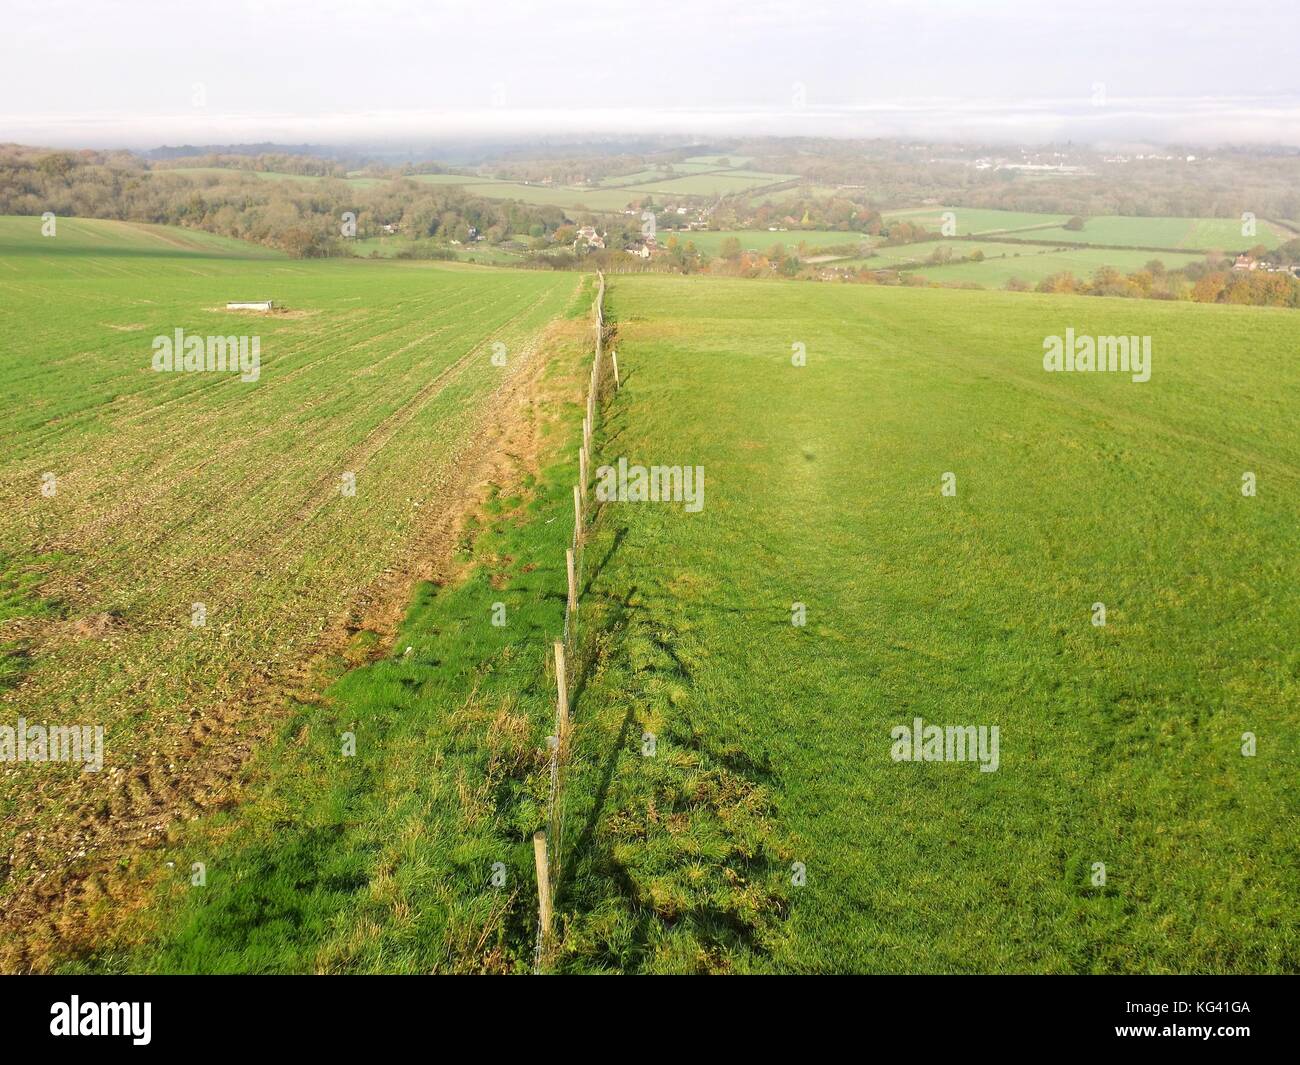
[(1061, 284), (1210, 287)]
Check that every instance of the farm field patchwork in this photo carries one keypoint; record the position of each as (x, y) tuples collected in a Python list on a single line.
[(699, 177), (554, 196), (719, 183), (974, 221), (135, 502), (619, 180), (769, 741), (1119, 744), (661, 173), (489, 188), (710, 241)]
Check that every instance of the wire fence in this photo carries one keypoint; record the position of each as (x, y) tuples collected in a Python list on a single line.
[(548, 843)]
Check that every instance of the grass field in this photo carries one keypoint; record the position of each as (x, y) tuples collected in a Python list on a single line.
[(710, 241), (1190, 234), (199, 488), (974, 221), (96, 247), (718, 747), (895, 255), (1120, 744), (718, 183), (1004, 261), (1194, 234), (1035, 263)]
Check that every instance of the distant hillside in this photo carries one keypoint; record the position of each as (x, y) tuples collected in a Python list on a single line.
[(185, 151)]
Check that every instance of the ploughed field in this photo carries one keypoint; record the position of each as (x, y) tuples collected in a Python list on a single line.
[(174, 544)]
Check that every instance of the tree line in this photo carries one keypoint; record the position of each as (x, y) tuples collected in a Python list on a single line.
[(303, 218)]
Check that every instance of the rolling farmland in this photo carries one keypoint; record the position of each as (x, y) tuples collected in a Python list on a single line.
[(177, 545), (650, 489), (826, 592), (543, 195), (97, 247), (1120, 744), (701, 177)]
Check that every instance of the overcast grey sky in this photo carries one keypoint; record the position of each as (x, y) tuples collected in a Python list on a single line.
[(166, 71)]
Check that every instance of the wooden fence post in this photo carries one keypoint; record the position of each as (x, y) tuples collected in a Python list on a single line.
[(577, 517), (543, 885), (582, 470), (613, 358), (573, 581), (561, 693)]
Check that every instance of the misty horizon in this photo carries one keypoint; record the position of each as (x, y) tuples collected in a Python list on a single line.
[(1120, 123), (152, 74)]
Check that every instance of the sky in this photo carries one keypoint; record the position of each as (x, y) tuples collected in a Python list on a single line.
[(140, 73)]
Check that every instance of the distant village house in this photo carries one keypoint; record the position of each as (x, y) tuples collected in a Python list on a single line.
[(588, 237)]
